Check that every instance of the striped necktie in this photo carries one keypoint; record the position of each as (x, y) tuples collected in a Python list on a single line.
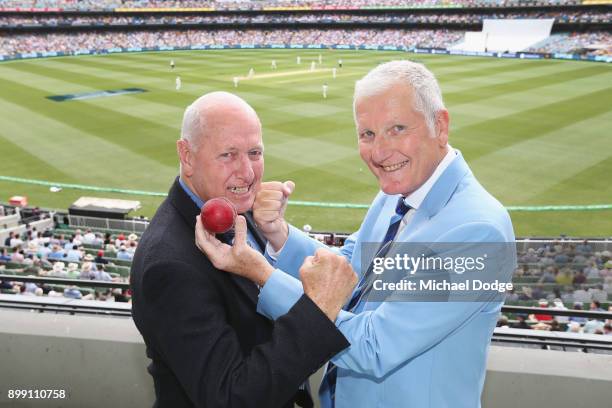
[(401, 209)]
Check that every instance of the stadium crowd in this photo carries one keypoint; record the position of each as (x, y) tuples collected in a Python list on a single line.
[(258, 5), (550, 275), (565, 17), (27, 43), (557, 275), (599, 43), (68, 256), (596, 43)]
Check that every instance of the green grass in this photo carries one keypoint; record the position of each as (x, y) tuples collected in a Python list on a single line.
[(534, 132)]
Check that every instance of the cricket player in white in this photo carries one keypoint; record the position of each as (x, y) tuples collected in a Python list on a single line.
[(298, 60), (251, 73), (320, 59), (334, 70), (178, 83), (325, 90), (236, 82), (313, 65), (273, 64)]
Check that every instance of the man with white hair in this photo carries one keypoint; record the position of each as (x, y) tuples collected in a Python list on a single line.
[(208, 345), (407, 353)]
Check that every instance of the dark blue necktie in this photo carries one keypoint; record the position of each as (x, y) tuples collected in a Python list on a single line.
[(401, 209)]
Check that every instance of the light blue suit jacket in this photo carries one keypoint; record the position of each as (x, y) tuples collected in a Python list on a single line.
[(408, 354)]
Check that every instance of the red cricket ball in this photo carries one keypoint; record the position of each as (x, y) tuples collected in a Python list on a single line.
[(218, 215)]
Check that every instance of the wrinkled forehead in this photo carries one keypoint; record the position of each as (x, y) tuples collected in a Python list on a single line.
[(233, 132), (229, 111), (223, 125), (390, 101)]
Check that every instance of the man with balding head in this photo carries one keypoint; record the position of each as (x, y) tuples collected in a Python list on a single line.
[(428, 350), (208, 345)]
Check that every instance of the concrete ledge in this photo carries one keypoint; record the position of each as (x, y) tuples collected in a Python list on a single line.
[(100, 361)]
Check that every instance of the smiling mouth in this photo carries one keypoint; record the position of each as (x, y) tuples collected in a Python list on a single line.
[(394, 167), (240, 190)]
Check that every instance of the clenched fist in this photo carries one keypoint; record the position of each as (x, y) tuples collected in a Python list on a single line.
[(269, 211), (328, 280)]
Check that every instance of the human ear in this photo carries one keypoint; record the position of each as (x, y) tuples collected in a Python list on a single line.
[(442, 125), (184, 152)]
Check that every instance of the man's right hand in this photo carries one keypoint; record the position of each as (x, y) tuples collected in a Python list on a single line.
[(269, 211), (239, 258), (328, 280)]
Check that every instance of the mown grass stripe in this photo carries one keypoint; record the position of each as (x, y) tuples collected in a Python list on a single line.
[(489, 135), (592, 207)]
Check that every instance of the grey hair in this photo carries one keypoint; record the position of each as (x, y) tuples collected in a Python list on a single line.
[(427, 94), (192, 126)]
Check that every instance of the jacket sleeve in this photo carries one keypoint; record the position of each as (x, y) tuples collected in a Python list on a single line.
[(299, 245), (191, 333), (283, 288)]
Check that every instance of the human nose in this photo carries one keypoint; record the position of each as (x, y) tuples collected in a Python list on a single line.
[(381, 149), (244, 168)]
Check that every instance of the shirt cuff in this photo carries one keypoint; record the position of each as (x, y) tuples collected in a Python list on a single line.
[(278, 295)]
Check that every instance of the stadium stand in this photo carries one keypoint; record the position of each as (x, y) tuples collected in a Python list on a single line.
[(99, 41), (550, 273), (553, 274), (26, 27), (574, 42), (259, 5), (64, 280), (568, 17)]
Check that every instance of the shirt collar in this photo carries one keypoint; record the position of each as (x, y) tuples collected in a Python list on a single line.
[(197, 200), (200, 203), (415, 199)]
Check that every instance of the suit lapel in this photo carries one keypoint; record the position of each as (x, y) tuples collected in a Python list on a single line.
[(183, 204), (437, 198), (377, 232), (189, 210), (444, 188), (248, 287), (259, 238)]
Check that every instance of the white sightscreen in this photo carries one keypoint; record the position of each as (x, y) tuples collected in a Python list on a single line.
[(506, 35)]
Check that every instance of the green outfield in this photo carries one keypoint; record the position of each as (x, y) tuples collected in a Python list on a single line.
[(534, 132)]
